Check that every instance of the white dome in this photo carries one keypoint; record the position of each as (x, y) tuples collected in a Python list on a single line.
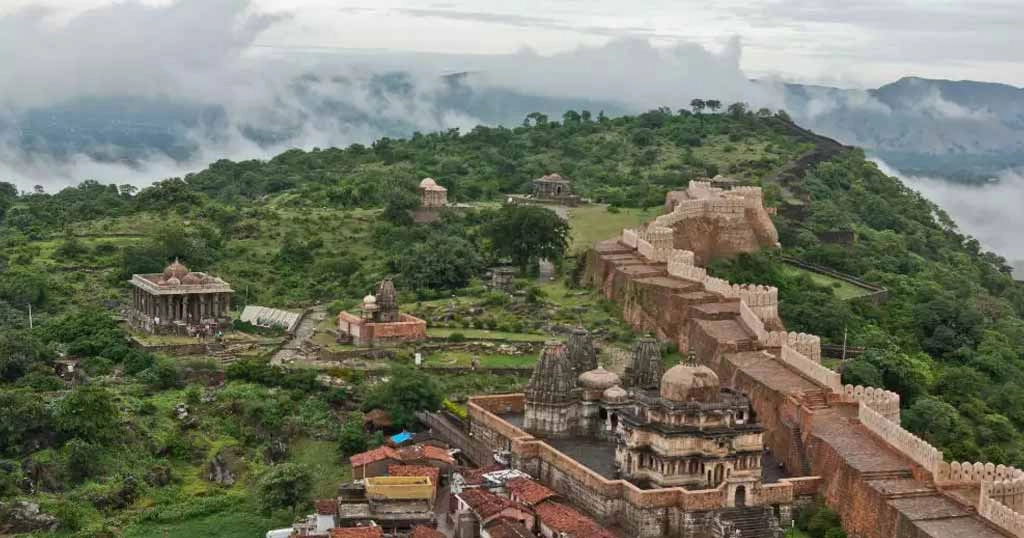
[(369, 299), (683, 383)]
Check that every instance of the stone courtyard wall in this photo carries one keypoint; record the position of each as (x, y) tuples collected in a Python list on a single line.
[(918, 450)]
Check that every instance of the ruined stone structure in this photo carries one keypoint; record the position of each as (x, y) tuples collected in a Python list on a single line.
[(432, 195), (555, 189), (715, 223), (178, 299), (380, 321)]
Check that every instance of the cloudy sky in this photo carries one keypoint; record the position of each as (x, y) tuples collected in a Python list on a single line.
[(854, 43)]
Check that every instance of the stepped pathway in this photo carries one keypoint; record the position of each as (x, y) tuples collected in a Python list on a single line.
[(752, 522), (293, 349)]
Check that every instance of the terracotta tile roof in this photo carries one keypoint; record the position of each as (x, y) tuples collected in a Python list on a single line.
[(428, 452), (357, 532), (475, 477), (485, 503), (422, 531), (433, 473), (562, 518), (409, 453), (371, 456), (326, 507), (529, 491), (508, 528)]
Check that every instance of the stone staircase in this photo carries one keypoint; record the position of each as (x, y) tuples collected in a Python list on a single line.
[(752, 522), (814, 399), (798, 440)]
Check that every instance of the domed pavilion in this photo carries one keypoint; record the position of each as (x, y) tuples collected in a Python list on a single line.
[(178, 300)]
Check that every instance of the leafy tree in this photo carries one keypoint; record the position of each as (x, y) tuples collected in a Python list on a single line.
[(525, 233), (88, 413), (85, 459), (285, 485), (353, 439), (698, 105), (25, 417), (20, 351), (404, 393), (714, 105), (440, 262)]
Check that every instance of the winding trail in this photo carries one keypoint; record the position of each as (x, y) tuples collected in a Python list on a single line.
[(293, 349)]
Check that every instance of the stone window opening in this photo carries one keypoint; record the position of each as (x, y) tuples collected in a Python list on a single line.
[(741, 496)]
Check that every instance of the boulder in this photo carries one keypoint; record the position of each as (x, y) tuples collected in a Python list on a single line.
[(226, 466), (18, 517)]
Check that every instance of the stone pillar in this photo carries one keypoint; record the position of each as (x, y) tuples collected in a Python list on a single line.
[(186, 308)]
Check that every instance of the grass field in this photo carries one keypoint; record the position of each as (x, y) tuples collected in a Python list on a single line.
[(228, 524), (460, 358), (594, 223), (484, 334), (843, 290)]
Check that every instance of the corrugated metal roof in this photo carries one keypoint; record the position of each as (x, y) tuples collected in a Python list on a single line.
[(267, 317)]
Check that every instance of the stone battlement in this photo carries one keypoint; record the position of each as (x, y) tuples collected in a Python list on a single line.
[(918, 450), (809, 345), (884, 402)]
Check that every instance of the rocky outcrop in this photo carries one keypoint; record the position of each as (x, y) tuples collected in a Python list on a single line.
[(226, 466), (19, 517)]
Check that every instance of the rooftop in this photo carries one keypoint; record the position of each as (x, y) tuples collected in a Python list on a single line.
[(529, 491), (507, 528), (485, 503), (357, 532), (422, 531), (562, 518)]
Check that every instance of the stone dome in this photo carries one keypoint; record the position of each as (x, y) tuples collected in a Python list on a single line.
[(598, 379), (369, 299), (173, 281), (192, 279), (615, 394), (683, 383), (176, 270), (427, 183)]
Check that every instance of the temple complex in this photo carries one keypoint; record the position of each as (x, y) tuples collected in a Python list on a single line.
[(554, 188), (178, 300), (380, 321)]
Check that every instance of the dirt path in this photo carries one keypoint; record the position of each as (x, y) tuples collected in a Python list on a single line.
[(294, 348)]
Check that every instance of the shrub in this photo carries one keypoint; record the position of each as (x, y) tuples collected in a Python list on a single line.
[(456, 337)]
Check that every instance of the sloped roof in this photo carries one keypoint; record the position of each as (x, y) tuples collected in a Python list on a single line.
[(263, 316), (422, 531), (371, 456), (326, 507), (485, 503), (529, 491), (409, 453), (357, 532), (504, 527), (562, 518)]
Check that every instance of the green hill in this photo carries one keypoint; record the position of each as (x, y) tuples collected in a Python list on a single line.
[(321, 226)]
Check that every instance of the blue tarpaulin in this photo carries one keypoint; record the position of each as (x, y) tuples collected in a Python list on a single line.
[(400, 438)]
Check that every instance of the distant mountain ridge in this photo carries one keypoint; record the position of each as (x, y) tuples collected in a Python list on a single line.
[(962, 130)]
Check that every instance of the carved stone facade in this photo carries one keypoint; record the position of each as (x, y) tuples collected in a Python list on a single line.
[(582, 354), (432, 195), (647, 367), (554, 188), (178, 300), (550, 398)]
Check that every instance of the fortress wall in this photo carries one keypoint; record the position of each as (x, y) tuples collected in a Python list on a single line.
[(753, 322), (629, 237), (998, 513), (809, 345), (885, 402), (810, 369), (913, 447)]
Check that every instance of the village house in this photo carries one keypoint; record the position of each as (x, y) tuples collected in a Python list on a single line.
[(376, 462), (476, 508)]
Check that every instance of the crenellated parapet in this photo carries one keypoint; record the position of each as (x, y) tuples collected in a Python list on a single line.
[(912, 446), (807, 344), (886, 403), (1001, 515)]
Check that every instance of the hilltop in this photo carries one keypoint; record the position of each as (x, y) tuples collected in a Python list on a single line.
[(321, 226)]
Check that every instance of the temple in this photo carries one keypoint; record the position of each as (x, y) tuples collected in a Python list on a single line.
[(555, 189), (380, 321), (433, 199), (178, 300)]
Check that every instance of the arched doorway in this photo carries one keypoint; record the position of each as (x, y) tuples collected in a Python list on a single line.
[(719, 474), (741, 496), (615, 421)]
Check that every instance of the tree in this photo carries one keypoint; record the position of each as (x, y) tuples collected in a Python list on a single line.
[(286, 485), (524, 233), (440, 262), (353, 439), (88, 413), (404, 393), (737, 110), (713, 104), (698, 105)]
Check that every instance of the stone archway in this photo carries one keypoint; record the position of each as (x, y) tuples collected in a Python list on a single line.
[(719, 474), (615, 421), (741, 496)]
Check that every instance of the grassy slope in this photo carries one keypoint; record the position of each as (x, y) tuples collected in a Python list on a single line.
[(594, 223)]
